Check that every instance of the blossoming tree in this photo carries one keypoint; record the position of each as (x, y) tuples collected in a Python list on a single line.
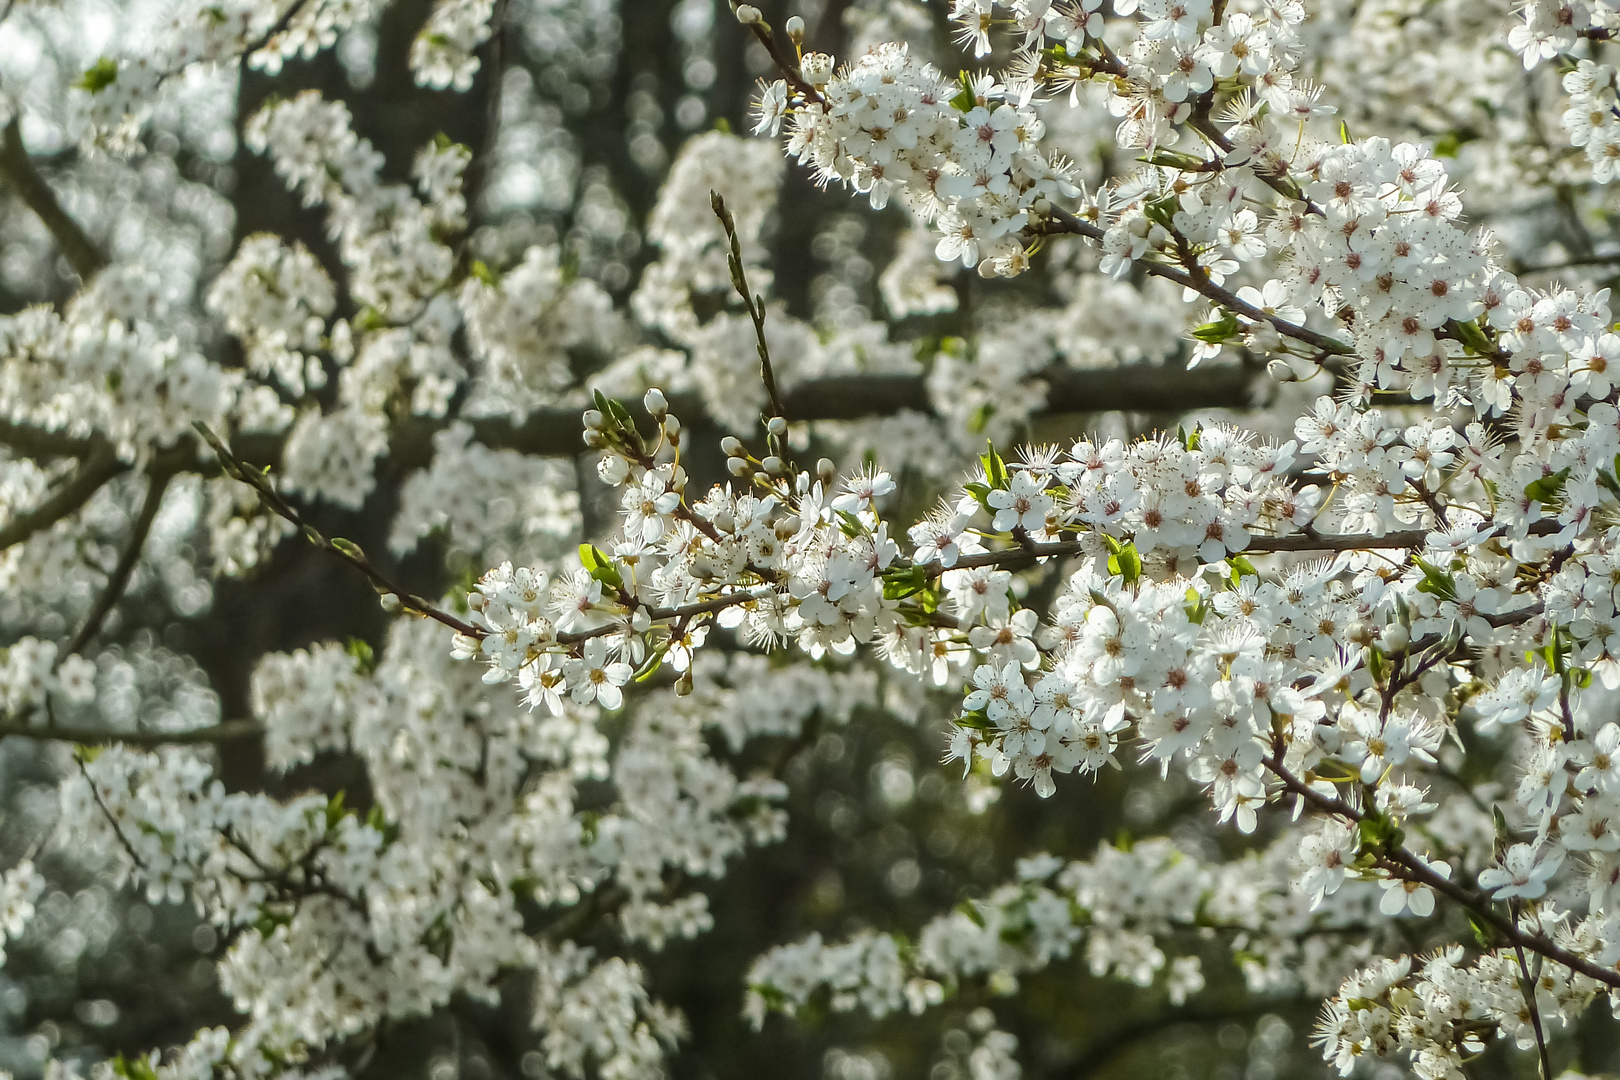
[(1226, 450)]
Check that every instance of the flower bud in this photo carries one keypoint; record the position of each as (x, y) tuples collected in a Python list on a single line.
[(731, 446), (683, 685), (777, 426), (725, 521), (795, 29), (826, 471), (817, 68), (655, 402), (390, 603), (1395, 638), (672, 425), (594, 439), (748, 14), (786, 527), (613, 470), (677, 480), (476, 601), (772, 465), (593, 419), (641, 622), (738, 466)]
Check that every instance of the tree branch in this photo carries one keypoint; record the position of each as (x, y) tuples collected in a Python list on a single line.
[(157, 484), (100, 465), (1401, 863), (229, 731), (346, 550), (1148, 388), (39, 442), (17, 169), (1192, 276), (755, 306)]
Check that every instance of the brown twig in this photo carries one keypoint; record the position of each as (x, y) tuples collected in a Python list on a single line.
[(99, 466), (346, 550), (229, 731), (158, 478), (1398, 862), (789, 70), (755, 306), (1192, 276), (17, 169)]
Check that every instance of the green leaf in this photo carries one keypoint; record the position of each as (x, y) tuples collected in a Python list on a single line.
[(1448, 144), (850, 524), (995, 470), (1175, 159), (1163, 211), (978, 720), (654, 662), (1378, 833), (980, 419), (1546, 489), (1344, 133), (1124, 560), (1473, 337), (901, 582), (620, 414), (370, 319), (1436, 582), (1241, 568), (1377, 666), (349, 548), (99, 75), (1223, 329), (599, 566), (965, 98), (365, 660), (335, 811), (1195, 607), (979, 491)]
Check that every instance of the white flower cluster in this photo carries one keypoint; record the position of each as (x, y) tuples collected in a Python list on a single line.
[(109, 365), (1435, 1014), (967, 154), (276, 299), (1467, 560), (1424, 564), (31, 677), (492, 504), (120, 93), (20, 886), (443, 53), (1121, 910), (521, 327), (341, 918)]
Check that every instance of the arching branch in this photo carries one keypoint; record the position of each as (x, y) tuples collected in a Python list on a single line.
[(18, 170)]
